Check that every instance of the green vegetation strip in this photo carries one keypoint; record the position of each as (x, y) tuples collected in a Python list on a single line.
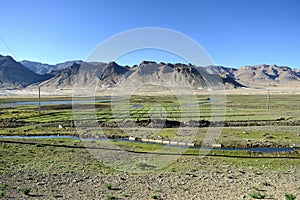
[(63, 155)]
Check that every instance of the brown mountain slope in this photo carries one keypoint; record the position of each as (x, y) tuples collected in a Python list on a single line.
[(266, 75), (84, 75)]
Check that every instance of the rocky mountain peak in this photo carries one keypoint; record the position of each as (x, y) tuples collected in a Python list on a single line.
[(145, 62)]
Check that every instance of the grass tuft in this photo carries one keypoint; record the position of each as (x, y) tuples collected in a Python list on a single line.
[(26, 191), (290, 196), (257, 195), (1, 193), (108, 186)]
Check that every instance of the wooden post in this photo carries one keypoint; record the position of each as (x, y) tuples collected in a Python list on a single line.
[(268, 99), (39, 106)]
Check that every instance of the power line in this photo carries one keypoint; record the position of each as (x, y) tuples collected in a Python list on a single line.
[(12, 53)]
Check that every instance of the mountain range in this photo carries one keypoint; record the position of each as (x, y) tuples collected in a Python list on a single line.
[(17, 75), (43, 68)]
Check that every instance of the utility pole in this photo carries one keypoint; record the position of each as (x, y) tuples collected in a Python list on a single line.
[(268, 99), (39, 106)]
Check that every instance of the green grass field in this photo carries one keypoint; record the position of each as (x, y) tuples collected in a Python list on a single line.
[(238, 108), (25, 119)]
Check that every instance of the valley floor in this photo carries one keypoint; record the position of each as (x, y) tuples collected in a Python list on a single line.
[(66, 169)]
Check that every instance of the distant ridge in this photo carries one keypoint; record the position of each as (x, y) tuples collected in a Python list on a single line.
[(260, 75), (43, 68), (266, 75)]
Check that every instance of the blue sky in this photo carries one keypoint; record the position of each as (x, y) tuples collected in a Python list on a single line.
[(234, 32)]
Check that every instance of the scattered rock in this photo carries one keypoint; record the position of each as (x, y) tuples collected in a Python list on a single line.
[(265, 134), (288, 117)]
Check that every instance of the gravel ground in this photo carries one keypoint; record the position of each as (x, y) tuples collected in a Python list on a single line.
[(205, 180)]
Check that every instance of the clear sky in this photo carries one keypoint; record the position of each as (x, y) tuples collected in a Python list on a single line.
[(234, 32)]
